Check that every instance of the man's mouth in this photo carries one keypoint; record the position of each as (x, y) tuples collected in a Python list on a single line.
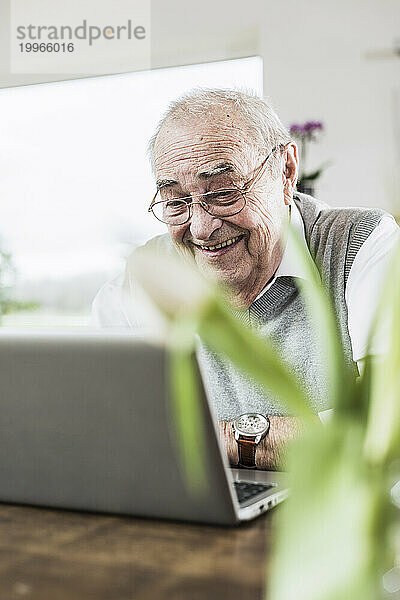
[(220, 248)]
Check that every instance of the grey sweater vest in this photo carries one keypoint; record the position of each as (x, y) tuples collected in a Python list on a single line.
[(334, 236)]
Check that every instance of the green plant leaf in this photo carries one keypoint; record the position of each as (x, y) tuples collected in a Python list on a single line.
[(253, 355), (317, 173), (382, 441), (323, 316), (332, 539), (188, 417)]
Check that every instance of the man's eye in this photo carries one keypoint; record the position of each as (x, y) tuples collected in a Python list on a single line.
[(224, 196), (175, 207), (175, 203)]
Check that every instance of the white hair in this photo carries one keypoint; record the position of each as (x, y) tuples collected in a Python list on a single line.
[(262, 124)]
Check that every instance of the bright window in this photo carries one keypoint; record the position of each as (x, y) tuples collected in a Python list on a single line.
[(75, 181)]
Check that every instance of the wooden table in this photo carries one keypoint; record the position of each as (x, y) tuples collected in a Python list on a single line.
[(62, 555)]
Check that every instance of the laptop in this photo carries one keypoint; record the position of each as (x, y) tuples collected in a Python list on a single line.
[(86, 424)]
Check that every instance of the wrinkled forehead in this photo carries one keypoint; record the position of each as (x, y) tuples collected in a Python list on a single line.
[(198, 148)]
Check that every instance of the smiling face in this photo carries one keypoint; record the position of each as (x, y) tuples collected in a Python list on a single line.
[(243, 250)]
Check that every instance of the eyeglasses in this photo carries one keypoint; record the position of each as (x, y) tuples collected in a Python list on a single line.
[(175, 211)]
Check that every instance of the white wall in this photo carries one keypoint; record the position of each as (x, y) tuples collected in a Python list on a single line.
[(314, 67)]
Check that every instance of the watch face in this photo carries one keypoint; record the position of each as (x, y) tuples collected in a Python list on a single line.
[(251, 424)]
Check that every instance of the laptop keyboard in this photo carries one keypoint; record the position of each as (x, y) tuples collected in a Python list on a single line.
[(247, 491)]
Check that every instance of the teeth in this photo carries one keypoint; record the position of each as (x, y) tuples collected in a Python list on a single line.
[(222, 245)]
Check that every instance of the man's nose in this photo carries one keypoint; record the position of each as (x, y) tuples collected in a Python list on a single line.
[(202, 224)]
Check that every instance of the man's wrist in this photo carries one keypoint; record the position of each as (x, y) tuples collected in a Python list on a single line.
[(271, 451), (265, 454)]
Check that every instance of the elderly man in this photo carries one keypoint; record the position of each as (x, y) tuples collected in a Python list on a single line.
[(226, 172)]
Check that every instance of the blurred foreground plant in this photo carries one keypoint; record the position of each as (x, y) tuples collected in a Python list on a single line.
[(336, 535)]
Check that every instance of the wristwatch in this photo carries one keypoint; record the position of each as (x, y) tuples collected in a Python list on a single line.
[(249, 430)]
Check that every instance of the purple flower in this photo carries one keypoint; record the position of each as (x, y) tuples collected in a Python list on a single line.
[(306, 130), (312, 126), (295, 129), (306, 133)]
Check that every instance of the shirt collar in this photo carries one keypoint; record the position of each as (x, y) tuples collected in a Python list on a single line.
[(290, 265)]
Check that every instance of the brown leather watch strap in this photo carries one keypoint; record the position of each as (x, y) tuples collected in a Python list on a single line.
[(247, 453)]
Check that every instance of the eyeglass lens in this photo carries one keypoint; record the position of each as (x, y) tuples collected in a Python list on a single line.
[(176, 211)]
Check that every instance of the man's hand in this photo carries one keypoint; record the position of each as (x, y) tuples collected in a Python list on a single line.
[(271, 451)]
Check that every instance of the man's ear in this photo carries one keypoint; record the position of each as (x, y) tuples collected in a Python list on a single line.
[(290, 171)]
